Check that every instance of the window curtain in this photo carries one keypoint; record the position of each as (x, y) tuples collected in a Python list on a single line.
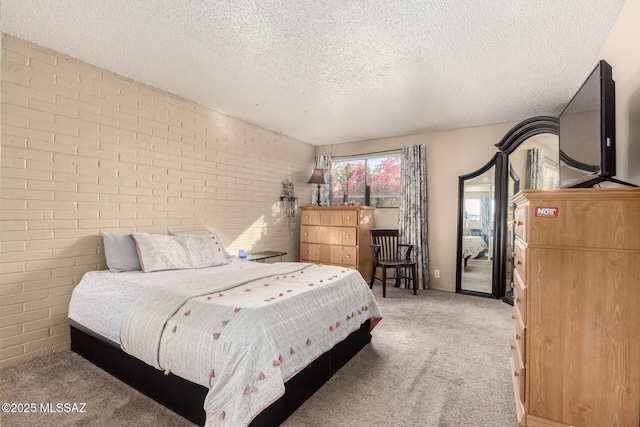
[(535, 168), (412, 221), (322, 162), (486, 219)]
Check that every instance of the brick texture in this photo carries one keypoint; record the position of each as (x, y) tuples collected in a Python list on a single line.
[(86, 151)]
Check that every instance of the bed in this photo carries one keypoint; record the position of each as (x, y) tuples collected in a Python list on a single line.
[(234, 343), (472, 247)]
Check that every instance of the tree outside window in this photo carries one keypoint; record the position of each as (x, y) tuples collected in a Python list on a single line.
[(350, 177)]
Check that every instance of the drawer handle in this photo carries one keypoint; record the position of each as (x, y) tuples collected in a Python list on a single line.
[(518, 262), (513, 285), (513, 254), (518, 337), (518, 299), (513, 317), (348, 237), (519, 223), (516, 374), (348, 256), (512, 347)]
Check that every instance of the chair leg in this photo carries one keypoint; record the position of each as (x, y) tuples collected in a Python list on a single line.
[(373, 276), (384, 282), (414, 279)]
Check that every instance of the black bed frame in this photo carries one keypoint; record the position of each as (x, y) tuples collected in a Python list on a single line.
[(187, 398)]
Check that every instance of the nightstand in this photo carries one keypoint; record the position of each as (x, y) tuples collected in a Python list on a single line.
[(263, 255)]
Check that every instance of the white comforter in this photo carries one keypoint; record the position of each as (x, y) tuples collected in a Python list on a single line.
[(102, 298), (472, 246), (243, 334)]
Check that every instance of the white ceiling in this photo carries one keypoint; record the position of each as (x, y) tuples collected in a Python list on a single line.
[(331, 71)]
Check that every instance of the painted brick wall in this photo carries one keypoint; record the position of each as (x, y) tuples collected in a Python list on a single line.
[(85, 151)]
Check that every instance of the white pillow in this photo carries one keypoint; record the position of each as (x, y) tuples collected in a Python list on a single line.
[(203, 233), (120, 252), (159, 252)]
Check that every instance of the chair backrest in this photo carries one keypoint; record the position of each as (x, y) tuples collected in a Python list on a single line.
[(388, 241)]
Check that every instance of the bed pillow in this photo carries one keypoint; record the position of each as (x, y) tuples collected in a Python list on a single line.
[(159, 252), (120, 252), (204, 233)]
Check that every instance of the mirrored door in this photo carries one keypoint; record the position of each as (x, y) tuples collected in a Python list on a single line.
[(477, 221)]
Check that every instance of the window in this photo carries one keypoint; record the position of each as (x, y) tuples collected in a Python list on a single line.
[(381, 173), (472, 209)]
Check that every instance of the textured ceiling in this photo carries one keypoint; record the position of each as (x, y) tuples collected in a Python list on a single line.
[(330, 71)]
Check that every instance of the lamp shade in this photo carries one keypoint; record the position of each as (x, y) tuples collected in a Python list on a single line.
[(317, 177)]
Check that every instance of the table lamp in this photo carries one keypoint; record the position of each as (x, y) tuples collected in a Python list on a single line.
[(317, 177)]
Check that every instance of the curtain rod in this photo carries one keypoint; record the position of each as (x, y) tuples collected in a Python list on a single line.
[(397, 150)]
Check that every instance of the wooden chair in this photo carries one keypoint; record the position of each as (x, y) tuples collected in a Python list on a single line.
[(388, 253)]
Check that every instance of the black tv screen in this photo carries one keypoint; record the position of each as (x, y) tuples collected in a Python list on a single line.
[(587, 131)]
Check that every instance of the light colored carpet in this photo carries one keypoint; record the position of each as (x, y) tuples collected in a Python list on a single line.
[(436, 359), (477, 275)]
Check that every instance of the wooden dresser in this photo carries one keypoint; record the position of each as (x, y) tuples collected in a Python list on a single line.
[(337, 235), (576, 350)]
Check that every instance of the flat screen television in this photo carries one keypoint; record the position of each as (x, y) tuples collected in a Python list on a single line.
[(588, 132)]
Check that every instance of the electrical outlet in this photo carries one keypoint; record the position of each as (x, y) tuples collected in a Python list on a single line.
[(436, 273)]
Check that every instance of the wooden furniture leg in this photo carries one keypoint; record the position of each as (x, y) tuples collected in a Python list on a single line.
[(384, 282), (414, 279), (373, 276)]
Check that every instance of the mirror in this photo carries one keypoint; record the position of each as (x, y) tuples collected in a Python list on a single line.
[(536, 162), (477, 230), (513, 186), (532, 162), (528, 158)]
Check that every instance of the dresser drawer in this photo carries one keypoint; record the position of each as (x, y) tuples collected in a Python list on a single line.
[(518, 372), (518, 385), (346, 236), (329, 254), (520, 221), (343, 255), (519, 258), (309, 234), (309, 252), (519, 335), (339, 218), (520, 295), (309, 217)]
